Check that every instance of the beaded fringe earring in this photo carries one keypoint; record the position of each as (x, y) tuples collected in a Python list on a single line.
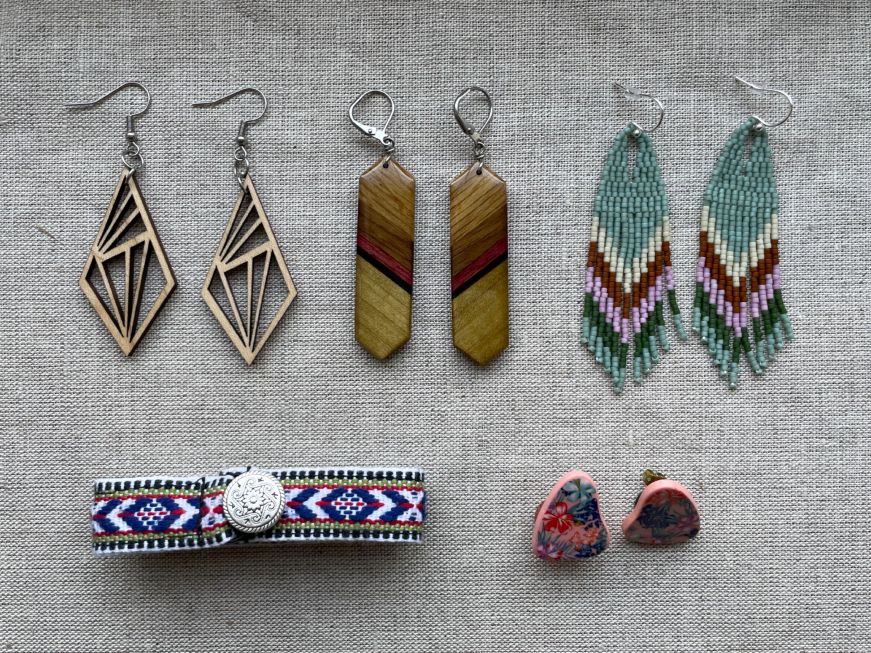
[(629, 275), (738, 246)]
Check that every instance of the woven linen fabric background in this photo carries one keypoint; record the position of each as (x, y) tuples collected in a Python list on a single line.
[(780, 467)]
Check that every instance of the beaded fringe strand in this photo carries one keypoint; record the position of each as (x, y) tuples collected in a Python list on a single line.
[(737, 246), (629, 274)]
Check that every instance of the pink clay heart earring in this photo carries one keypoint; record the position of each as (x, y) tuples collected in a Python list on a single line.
[(664, 513), (569, 524)]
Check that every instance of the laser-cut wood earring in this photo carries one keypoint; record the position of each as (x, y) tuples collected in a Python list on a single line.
[(247, 259), (385, 245), (479, 249), (127, 249)]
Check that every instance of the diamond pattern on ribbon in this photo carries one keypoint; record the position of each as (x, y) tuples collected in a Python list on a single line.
[(349, 504), (146, 515)]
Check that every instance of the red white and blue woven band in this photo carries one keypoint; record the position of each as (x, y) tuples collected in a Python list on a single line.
[(323, 504)]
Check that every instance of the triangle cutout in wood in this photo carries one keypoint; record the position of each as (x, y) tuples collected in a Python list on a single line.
[(126, 232), (248, 247)]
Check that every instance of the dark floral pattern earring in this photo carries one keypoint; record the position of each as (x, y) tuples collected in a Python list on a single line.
[(664, 513)]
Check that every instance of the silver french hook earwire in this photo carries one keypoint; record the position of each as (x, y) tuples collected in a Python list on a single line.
[(130, 155), (241, 164), (379, 135), (632, 94), (476, 134), (760, 123)]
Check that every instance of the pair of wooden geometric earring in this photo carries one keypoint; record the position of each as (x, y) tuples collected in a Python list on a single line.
[(127, 277), (569, 524), (385, 247)]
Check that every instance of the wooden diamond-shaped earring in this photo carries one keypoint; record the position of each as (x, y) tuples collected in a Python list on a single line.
[(127, 249), (248, 287)]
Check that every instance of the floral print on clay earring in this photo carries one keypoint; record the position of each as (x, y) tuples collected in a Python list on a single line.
[(664, 513), (569, 524)]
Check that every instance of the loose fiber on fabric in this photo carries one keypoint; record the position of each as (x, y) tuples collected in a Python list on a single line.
[(779, 467)]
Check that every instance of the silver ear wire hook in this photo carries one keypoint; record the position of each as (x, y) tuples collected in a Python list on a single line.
[(476, 134), (632, 94), (241, 164), (467, 127), (379, 135), (243, 124), (130, 155), (760, 123)]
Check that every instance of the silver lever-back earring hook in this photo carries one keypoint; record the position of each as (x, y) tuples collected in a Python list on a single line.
[(476, 134), (466, 126), (130, 155), (632, 94), (379, 135), (241, 164), (760, 123)]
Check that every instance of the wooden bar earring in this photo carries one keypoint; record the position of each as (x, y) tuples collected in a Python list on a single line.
[(248, 287), (127, 250), (479, 250), (385, 246)]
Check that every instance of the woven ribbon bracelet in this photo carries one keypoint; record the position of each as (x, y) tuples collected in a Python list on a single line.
[(253, 505)]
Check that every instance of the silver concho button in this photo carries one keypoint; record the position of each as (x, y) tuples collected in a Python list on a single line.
[(253, 502)]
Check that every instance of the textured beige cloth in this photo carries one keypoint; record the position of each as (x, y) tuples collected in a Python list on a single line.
[(780, 468)]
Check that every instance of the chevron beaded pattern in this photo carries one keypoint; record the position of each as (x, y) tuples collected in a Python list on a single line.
[(738, 247), (629, 275)]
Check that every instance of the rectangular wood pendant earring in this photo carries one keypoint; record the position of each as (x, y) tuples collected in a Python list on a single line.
[(248, 287), (479, 250), (385, 246), (127, 250)]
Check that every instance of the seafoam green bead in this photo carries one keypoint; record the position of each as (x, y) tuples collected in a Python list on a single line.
[(631, 207), (740, 201)]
